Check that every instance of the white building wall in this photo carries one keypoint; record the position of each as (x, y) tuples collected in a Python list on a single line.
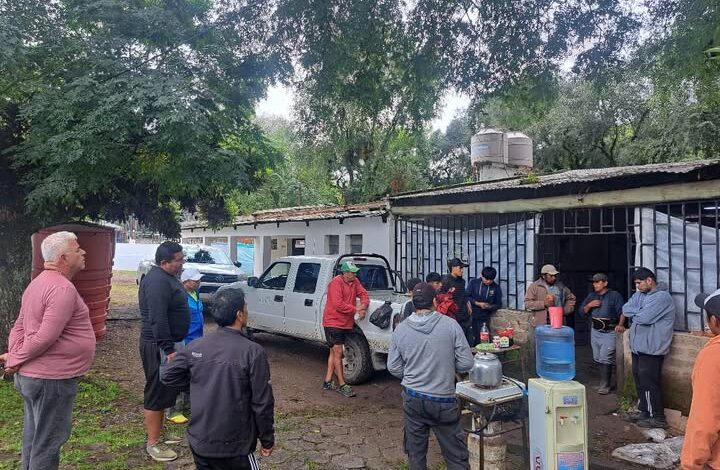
[(377, 237)]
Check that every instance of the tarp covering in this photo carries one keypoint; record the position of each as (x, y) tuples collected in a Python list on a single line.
[(672, 249)]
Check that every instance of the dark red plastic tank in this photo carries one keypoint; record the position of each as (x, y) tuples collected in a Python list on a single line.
[(93, 283)]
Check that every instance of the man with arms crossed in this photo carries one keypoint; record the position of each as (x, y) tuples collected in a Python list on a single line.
[(231, 398), (51, 345), (339, 321), (426, 352), (652, 312), (165, 321)]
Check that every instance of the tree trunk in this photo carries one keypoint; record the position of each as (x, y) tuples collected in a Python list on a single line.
[(16, 227)]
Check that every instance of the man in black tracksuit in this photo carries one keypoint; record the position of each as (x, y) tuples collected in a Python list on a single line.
[(231, 399)]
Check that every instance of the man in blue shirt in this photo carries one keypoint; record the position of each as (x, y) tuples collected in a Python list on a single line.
[(190, 279), (652, 312), (604, 306), (485, 298)]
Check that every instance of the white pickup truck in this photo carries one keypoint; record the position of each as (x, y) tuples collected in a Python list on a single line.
[(289, 298)]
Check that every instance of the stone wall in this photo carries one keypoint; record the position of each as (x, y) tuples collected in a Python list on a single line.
[(522, 323), (677, 369)]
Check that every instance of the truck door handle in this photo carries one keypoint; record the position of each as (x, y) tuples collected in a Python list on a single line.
[(278, 298), (308, 302)]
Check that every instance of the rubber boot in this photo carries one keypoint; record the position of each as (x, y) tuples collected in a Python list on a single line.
[(605, 377)]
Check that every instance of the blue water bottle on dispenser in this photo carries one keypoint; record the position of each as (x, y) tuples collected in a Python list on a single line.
[(555, 351)]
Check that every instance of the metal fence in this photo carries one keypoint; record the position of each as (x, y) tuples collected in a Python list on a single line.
[(679, 241)]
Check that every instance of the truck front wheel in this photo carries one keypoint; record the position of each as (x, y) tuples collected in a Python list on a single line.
[(357, 362)]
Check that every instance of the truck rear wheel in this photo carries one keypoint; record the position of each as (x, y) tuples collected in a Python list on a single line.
[(357, 362)]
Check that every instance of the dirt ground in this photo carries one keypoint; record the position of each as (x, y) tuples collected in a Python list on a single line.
[(318, 429)]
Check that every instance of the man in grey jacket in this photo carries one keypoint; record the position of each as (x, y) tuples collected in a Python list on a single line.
[(652, 312), (426, 352)]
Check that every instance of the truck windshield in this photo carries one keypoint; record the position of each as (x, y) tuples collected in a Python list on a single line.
[(207, 255)]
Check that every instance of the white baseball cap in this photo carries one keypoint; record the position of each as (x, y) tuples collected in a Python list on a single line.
[(190, 274)]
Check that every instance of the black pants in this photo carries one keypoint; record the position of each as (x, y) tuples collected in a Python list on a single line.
[(467, 328), (423, 415), (646, 372), (241, 462)]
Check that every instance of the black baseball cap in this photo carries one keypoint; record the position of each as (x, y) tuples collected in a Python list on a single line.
[(457, 262), (423, 295), (709, 302)]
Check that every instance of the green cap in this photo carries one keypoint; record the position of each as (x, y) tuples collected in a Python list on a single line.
[(348, 267)]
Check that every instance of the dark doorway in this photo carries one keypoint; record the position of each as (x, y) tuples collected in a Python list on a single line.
[(298, 246), (578, 257)]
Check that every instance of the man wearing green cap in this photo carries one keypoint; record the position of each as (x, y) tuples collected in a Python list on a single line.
[(339, 320)]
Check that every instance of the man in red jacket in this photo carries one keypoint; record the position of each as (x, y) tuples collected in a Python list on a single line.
[(339, 321)]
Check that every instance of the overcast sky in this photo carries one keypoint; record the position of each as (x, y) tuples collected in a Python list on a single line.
[(280, 100)]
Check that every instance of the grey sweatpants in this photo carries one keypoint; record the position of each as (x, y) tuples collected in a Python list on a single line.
[(423, 415), (47, 419), (603, 346)]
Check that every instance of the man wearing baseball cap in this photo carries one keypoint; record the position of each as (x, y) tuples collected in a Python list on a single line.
[(453, 282), (546, 292), (339, 321), (604, 306), (190, 279), (652, 312), (701, 448), (426, 352)]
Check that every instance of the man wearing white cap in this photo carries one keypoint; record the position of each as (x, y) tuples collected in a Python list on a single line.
[(547, 292), (190, 279), (701, 449)]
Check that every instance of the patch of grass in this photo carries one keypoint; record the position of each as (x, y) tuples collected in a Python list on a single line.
[(124, 292), (627, 398), (100, 438)]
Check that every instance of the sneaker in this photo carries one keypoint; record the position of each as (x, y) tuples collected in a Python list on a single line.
[(635, 416), (651, 423), (160, 454), (346, 390), (603, 390), (171, 439), (331, 385), (177, 418)]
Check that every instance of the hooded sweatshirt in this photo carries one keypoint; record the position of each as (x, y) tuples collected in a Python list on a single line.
[(653, 321), (426, 351)]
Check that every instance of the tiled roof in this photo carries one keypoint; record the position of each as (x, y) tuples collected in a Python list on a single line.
[(304, 213)]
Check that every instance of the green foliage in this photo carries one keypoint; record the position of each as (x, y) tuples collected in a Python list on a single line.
[(450, 152), (373, 71), (135, 107), (300, 177), (98, 440)]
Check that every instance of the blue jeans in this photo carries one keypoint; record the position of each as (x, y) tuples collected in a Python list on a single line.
[(47, 419)]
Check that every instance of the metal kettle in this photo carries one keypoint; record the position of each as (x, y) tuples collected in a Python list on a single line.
[(486, 371)]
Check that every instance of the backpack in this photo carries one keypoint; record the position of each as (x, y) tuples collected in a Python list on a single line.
[(381, 316), (446, 304)]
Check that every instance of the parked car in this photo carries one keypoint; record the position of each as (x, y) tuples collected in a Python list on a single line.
[(289, 298), (215, 266)]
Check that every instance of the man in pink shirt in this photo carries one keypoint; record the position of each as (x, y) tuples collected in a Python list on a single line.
[(50, 346)]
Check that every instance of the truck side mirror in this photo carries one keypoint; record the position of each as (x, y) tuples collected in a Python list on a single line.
[(252, 281)]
